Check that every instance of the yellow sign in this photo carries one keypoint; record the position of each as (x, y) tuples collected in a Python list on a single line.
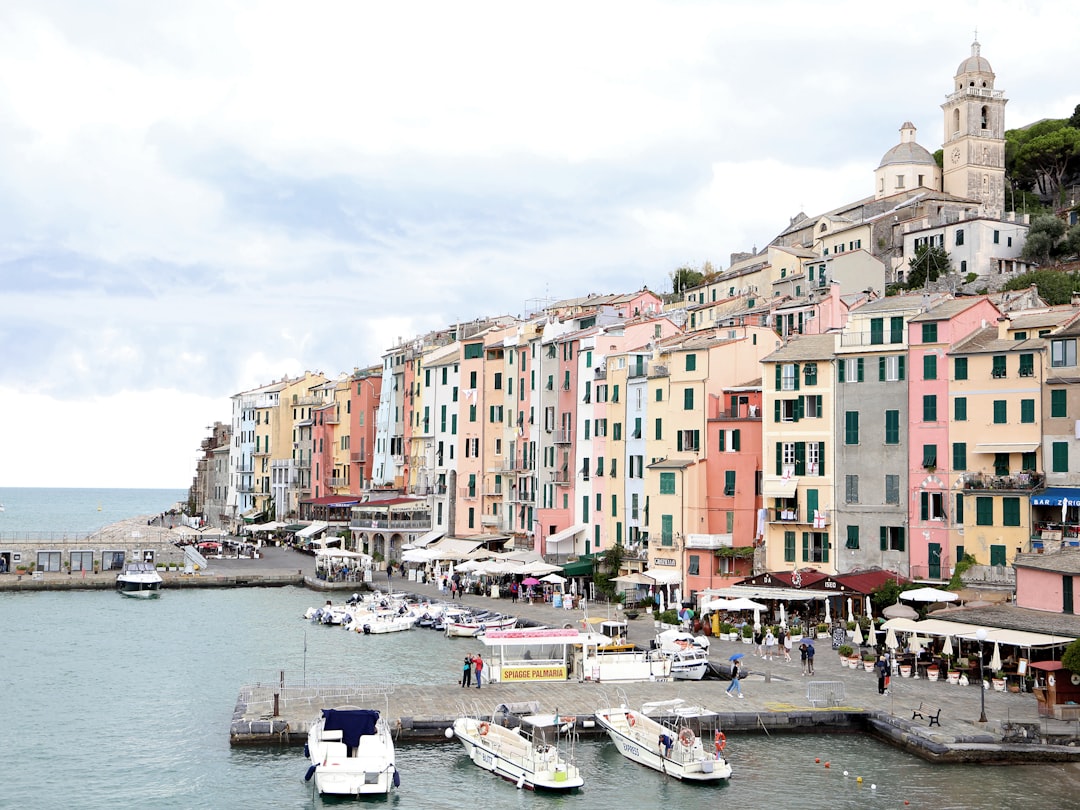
[(548, 673)]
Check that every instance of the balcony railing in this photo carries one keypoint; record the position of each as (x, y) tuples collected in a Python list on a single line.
[(639, 371), (784, 516), (560, 477), (467, 492), (338, 482), (744, 412), (407, 525), (564, 436), (1022, 482), (358, 458)]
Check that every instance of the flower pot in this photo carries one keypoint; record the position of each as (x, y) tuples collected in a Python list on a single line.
[(868, 666), (932, 674), (998, 683), (905, 670), (823, 636), (747, 640), (953, 677), (796, 637)]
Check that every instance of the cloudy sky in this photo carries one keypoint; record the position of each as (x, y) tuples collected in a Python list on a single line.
[(200, 197)]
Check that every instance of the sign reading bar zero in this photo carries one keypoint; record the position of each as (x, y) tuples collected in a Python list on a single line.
[(534, 673)]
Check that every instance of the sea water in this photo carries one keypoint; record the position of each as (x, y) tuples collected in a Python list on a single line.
[(36, 511)]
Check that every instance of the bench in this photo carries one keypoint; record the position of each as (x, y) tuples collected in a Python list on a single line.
[(928, 712)]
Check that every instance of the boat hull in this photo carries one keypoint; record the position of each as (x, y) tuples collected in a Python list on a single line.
[(639, 742), (513, 758), (471, 629), (141, 592), (366, 768), (139, 580)]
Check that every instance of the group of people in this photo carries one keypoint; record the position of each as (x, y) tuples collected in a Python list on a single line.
[(771, 646), (472, 669)]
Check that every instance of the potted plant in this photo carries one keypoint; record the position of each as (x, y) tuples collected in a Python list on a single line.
[(851, 629), (905, 670), (998, 681), (748, 634), (823, 630), (845, 651), (868, 661), (932, 672), (727, 631)]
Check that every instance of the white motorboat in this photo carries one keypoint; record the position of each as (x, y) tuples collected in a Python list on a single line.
[(476, 624), (140, 580), (689, 655), (351, 752), (383, 621), (674, 750), (529, 756)]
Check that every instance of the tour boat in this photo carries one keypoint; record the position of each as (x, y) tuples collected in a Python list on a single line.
[(689, 656), (140, 580), (351, 752), (674, 750), (529, 756)]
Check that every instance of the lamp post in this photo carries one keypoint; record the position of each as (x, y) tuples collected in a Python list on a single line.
[(980, 634)]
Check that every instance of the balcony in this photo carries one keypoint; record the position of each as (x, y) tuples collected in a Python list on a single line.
[(493, 492), (658, 371), (744, 412), (560, 477), (338, 482), (391, 525), (600, 373), (489, 520), (469, 493), (636, 371), (564, 436), (358, 458), (784, 516), (1021, 482)]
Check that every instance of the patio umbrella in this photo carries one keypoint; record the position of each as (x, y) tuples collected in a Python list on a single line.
[(915, 644), (890, 639), (663, 602), (828, 618), (946, 648), (929, 595), (899, 611), (554, 579), (757, 619), (850, 612), (530, 581), (633, 579), (783, 616), (995, 659), (858, 637), (869, 608), (871, 638)]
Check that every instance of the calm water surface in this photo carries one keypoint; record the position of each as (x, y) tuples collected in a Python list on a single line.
[(111, 702)]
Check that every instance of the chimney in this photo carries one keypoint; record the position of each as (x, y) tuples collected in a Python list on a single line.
[(1003, 327)]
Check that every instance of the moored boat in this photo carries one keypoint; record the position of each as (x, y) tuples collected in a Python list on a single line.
[(352, 753), (139, 580), (475, 624), (530, 756), (674, 750), (689, 655)]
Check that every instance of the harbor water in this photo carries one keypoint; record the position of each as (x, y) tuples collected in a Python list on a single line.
[(116, 703)]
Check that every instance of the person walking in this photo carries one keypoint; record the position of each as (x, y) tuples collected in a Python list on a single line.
[(759, 642), (478, 665), (735, 685), (466, 672), (809, 659), (786, 644), (804, 656), (770, 645), (881, 667)]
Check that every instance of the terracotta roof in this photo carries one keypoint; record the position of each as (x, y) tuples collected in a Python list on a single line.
[(1010, 617), (805, 347)]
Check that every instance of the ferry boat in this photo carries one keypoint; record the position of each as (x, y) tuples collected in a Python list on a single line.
[(140, 580)]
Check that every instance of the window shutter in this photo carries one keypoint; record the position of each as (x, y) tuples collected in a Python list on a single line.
[(924, 505), (825, 547), (821, 458), (900, 537), (796, 376), (884, 539), (806, 546), (678, 440), (859, 366), (779, 377), (779, 458), (800, 458), (735, 440), (776, 411), (900, 367), (723, 440), (842, 363), (800, 409), (881, 369)]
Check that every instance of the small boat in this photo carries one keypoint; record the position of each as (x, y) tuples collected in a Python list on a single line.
[(477, 624), (529, 756), (140, 580), (672, 749), (383, 621), (351, 752), (689, 655)]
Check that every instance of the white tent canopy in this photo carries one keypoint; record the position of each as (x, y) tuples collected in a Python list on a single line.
[(929, 595), (664, 577), (313, 529)]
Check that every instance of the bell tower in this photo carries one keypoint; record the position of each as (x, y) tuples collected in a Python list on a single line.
[(974, 145)]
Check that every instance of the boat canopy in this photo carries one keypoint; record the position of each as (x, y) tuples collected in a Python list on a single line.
[(352, 723)]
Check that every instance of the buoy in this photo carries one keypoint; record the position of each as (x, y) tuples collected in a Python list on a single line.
[(906, 801), (873, 787), (817, 759), (845, 773), (826, 764), (858, 779), (449, 734), (483, 728)]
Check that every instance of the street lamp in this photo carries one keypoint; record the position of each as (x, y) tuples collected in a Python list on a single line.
[(980, 634)]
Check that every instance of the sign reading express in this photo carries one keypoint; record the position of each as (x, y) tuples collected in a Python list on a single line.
[(557, 673)]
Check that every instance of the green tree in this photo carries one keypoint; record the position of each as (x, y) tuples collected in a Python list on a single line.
[(1071, 657), (683, 278), (928, 263), (1050, 157), (1043, 238), (1072, 241), (1055, 287), (1074, 120)]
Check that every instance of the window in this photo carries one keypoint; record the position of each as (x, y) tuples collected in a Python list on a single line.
[(960, 371), (851, 427), (896, 329), (851, 369), (789, 377), (932, 506), (959, 456), (960, 409), (1001, 412), (929, 455), (730, 441), (667, 536), (659, 429), (1010, 511), (816, 547), (998, 370), (729, 482), (929, 367), (851, 489), (472, 352), (929, 333), (616, 432), (688, 399), (810, 374), (1027, 411), (691, 362), (1063, 353), (997, 555), (498, 381), (877, 331), (852, 537), (959, 518), (694, 566), (1059, 457), (891, 369), (659, 395), (892, 427), (959, 236), (812, 406), (892, 538), (929, 408), (1027, 365), (892, 489), (1058, 404), (667, 483), (984, 511), (789, 546), (689, 440)]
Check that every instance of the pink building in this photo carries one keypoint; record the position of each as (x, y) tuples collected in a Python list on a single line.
[(1048, 582)]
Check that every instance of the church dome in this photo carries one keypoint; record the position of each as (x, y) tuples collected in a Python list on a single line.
[(907, 151), (976, 63)]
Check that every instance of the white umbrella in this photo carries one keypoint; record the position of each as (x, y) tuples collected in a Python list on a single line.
[(554, 579), (915, 644), (995, 660), (757, 619), (946, 648), (869, 608), (828, 618), (890, 639), (742, 603), (783, 616), (929, 595), (858, 637), (663, 604), (871, 638), (850, 612)]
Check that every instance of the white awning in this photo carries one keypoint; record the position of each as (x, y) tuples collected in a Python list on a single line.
[(425, 539), (1019, 638), (1007, 447), (566, 535), (663, 576), (313, 529), (779, 487), (787, 594)]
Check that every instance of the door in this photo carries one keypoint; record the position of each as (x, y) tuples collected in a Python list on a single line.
[(934, 550), (1067, 594)]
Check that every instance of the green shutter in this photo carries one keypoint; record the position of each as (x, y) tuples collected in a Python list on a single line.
[(735, 442), (842, 364), (924, 506), (776, 411), (796, 376), (900, 537), (779, 458), (723, 441), (779, 378), (824, 546), (821, 458), (806, 546), (881, 369), (900, 367), (800, 458), (678, 440), (884, 538), (859, 366)]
